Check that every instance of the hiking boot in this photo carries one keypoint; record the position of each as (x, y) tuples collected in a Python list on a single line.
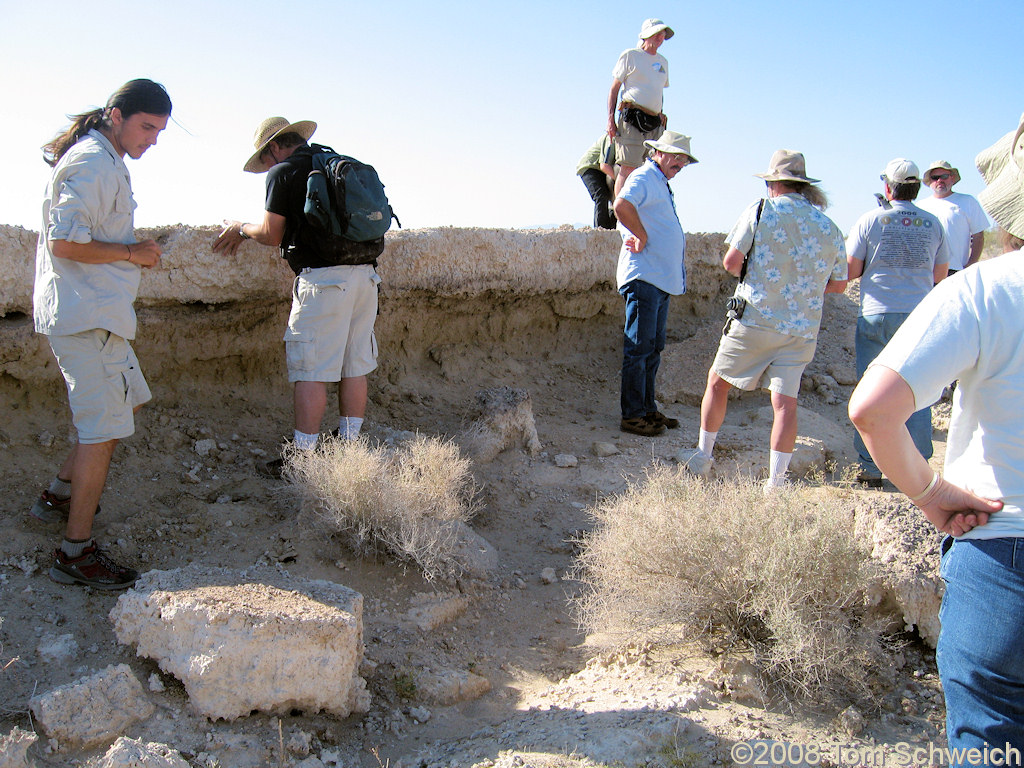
[(657, 417), (869, 479), (641, 426), (695, 462), (93, 569), (51, 508)]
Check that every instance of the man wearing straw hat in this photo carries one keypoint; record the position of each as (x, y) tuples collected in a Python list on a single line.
[(971, 327), (788, 255), (650, 269), (334, 297), (899, 253), (963, 220)]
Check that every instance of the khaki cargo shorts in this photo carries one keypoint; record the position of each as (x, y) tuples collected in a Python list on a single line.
[(629, 142), (105, 383), (330, 329), (750, 357)]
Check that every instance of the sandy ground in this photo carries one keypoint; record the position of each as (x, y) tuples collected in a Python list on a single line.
[(552, 695)]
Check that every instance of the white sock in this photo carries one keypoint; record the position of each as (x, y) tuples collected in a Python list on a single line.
[(706, 442), (349, 426), (305, 442), (60, 488), (778, 466)]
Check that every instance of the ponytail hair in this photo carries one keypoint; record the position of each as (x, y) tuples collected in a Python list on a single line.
[(132, 97)]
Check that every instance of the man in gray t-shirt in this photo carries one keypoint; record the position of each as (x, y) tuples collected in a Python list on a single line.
[(899, 252)]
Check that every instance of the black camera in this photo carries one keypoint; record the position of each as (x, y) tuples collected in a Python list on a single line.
[(735, 306)]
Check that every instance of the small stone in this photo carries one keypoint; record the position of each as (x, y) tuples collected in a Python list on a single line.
[(604, 450), (566, 460), (548, 576), (851, 721), (205, 447), (45, 439), (156, 684)]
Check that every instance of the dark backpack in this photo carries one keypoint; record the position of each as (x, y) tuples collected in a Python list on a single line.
[(344, 198)]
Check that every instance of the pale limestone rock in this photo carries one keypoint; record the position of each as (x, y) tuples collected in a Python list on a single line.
[(566, 461), (249, 640), (13, 748), (431, 611), (604, 450), (450, 686), (93, 710), (476, 556), (505, 420), (548, 576), (131, 753), (906, 548)]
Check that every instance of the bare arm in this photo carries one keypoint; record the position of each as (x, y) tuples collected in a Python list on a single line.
[(879, 409), (835, 286), (270, 231), (613, 97), (854, 268), (733, 261), (977, 246), (940, 272), (628, 217), (143, 254)]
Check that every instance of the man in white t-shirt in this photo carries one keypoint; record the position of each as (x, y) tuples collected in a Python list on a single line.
[(961, 215)]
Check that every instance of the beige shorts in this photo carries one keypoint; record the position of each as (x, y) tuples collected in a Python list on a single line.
[(750, 357), (629, 143), (105, 384), (330, 329)]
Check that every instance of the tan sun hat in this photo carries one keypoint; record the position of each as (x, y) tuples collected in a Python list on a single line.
[(654, 26), (1002, 167), (941, 165), (787, 165), (673, 143), (269, 130)]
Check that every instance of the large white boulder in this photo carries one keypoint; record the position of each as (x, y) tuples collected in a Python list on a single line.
[(249, 640), (131, 753), (93, 710)]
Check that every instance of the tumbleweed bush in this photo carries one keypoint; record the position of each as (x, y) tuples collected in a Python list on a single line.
[(676, 559), (410, 500)]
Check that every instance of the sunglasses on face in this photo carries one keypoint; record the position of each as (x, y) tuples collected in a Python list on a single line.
[(940, 176)]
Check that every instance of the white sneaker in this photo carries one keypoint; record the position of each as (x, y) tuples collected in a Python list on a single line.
[(695, 461)]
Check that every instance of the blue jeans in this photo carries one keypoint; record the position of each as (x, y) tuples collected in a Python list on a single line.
[(642, 342), (873, 333), (981, 646)]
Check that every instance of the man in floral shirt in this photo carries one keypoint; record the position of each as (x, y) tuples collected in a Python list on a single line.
[(796, 256)]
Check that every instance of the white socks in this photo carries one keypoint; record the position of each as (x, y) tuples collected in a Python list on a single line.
[(305, 442), (706, 442), (348, 427), (778, 466)]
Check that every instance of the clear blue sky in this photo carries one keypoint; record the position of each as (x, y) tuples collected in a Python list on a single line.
[(475, 113)]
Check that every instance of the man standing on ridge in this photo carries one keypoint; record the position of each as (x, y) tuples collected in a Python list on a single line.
[(650, 270), (88, 267), (641, 74), (899, 254), (330, 337), (962, 217)]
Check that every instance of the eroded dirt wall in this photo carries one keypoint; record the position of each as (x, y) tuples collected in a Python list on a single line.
[(448, 297)]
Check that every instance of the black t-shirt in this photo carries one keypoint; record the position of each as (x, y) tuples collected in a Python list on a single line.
[(303, 245)]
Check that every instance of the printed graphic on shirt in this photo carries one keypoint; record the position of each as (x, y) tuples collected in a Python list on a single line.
[(906, 242)]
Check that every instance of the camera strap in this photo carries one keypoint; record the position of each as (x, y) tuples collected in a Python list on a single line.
[(757, 221)]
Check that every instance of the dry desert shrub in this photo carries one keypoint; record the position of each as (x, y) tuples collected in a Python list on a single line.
[(410, 501), (676, 559)]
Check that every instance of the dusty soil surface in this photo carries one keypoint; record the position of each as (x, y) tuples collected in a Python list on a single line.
[(554, 699)]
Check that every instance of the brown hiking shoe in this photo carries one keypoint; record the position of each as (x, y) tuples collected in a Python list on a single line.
[(51, 508), (641, 426), (93, 569), (657, 417)]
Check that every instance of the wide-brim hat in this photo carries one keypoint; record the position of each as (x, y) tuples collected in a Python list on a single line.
[(1002, 167), (787, 165), (944, 166), (654, 26), (673, 143), (269, 130)]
